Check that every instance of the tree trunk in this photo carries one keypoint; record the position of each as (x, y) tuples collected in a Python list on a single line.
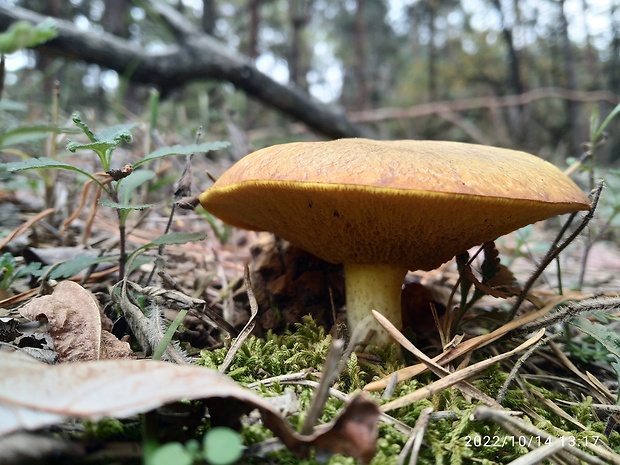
[(43, 64), (116, 21), (572, 107), (360, 52), (209, 16), (254, 7), (515, 120), (432, 52), (299, 15)]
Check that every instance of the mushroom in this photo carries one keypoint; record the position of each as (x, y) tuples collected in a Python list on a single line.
[(382, 208)]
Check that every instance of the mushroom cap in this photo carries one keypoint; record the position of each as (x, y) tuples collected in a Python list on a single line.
[(414, 204)]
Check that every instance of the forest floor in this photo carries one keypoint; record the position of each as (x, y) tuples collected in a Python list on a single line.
[(563, 393)]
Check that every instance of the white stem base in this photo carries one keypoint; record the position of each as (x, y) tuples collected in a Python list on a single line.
[(373, 287)]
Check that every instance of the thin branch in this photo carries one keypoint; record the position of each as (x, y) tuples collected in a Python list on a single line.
[(435, 108), (193, 57), (556, 249)]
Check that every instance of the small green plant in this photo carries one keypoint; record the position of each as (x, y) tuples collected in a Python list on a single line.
[(117, 185), (11, 271), (610, 203), (602, 341), (22, 34), (220, 446)]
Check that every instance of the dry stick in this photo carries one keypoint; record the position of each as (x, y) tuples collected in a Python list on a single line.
[(518, 364), (335, 362), (588, 247), (390, 388), (434, 108), (301, 379), (330, 366), (427, 109), (568, 312), (450, 378), (414, 442), (606, 408), (184, 190), (506, 420), (440, 371), (456, 377), (178, 299), (469, 345), (83, 198), (556, 249), (281, 379), (248, 328), (554, 408), (25, 226), (598, 390), (385, 418), (88, 226)]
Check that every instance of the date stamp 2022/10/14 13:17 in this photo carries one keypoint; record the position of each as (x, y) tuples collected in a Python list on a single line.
[(529, 441)]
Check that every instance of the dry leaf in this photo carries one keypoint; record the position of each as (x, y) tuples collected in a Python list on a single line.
[(75, 324), (355, 431), (34, 395)]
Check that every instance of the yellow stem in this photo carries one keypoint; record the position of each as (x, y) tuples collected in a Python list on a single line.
[(374, 287)]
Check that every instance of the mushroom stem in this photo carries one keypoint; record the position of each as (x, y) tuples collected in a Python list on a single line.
[(373, 287)]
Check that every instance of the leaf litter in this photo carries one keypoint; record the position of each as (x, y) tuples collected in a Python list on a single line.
[(34, 395), (47, 395), (74, 320)]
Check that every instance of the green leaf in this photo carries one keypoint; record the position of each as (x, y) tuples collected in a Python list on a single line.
[(609, 119), (124, 206), (12, 105), (183, 150), (222, 446), (594, 122), (84, 128), (170, 332), (30, 134), (98, 147), (178, 238), (39, 163), (75, 265), (107, 139), (603, 333), (31, 268), (22, 34), (118, 133), (7, 266), (128, 185)]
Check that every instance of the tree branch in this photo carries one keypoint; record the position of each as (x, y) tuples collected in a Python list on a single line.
[(196, 56)]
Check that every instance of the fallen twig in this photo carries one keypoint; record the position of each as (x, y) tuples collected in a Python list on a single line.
[(248, 328)]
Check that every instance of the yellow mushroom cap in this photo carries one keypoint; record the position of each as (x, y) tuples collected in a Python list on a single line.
[(413, 204)]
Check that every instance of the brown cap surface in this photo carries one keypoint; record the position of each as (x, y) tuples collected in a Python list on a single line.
[(414, 204)]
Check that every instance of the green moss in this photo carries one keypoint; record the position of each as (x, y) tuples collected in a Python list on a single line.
[(303, 349), (111, 428), (454, 440)]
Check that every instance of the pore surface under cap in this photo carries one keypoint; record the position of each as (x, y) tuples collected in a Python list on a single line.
[(414, 204)]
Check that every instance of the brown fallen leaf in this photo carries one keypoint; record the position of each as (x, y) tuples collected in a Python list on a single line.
[(34, 395), (354, 432), (74, 321)]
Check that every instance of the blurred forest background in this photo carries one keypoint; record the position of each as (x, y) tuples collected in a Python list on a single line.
[(524, 74)]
